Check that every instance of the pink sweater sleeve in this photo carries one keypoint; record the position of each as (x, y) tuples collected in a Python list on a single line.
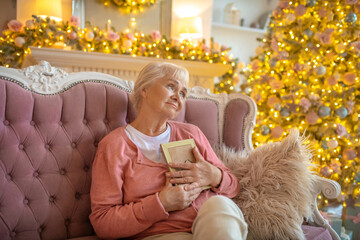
[(110, 217)]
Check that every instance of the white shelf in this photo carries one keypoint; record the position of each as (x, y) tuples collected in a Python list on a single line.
[(239, 28)]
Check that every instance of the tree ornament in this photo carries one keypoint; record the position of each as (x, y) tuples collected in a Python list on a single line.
[(349, 154), (325, 171), (349, 78), (277, 132), (19, 41), (350, 18), (72, 35), (308, 33), (320, 70), (331, 81), (311, 118), (310, 3), (324, 111), (341, 112), (333, 143), (284, 112), (324, 145), (265, 130), (89, 36)]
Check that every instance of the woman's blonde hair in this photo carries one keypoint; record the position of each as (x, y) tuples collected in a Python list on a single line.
[(154, 71)]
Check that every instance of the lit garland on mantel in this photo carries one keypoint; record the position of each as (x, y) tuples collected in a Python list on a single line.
[(131, 6), (38, 32)]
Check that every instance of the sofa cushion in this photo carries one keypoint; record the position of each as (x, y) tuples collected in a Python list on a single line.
[(204, 114), (234, 116)]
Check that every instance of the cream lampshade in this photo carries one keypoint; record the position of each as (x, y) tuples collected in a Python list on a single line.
[(52, 9), (190, 27)]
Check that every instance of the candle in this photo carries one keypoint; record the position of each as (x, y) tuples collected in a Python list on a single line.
[(108, 25)]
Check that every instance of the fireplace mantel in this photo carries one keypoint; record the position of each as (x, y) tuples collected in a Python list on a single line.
[(123, 66)]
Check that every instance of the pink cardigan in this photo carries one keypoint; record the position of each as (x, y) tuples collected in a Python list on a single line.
[(125, 187)]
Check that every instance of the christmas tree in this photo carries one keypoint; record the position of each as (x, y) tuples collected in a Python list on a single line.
[(305, 75)]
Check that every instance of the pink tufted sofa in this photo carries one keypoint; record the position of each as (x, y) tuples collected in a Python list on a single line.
[(50, 125)]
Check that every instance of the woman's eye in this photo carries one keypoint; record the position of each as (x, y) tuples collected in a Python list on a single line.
[(171, 87), (182, 94)]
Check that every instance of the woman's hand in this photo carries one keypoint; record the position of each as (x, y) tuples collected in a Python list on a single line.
[(199, 174), (176, 197)]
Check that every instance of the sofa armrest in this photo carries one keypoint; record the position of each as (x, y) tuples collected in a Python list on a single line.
[(331, 190)]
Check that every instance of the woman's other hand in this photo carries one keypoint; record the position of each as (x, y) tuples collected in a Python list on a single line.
[(176, 197), (199, 174)]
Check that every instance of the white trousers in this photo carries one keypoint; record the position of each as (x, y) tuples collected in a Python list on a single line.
[(218, 218)]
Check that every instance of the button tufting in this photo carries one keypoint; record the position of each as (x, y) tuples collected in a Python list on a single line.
[(77, 195), (26, 201), (73, 145), (8, 177), (47, 146), (96, 143), (67, 222), (106, 121), (36, 174), (60, 123), (6, 123), (86, 168), (52, 199), (21, 146), (85, 121), (32, 123), (62, 171), (40, 229)]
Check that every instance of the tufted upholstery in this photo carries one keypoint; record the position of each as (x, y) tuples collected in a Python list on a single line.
[(47, 145)]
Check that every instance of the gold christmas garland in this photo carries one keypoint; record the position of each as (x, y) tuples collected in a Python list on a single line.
[(131, 6)]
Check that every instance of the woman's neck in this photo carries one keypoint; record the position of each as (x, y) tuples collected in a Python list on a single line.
[(149, 126)]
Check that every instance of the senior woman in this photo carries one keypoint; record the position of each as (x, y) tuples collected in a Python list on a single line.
[(133, 193)]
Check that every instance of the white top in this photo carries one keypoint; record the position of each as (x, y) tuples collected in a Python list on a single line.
[(149, 146)]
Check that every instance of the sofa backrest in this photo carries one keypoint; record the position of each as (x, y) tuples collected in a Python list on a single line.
[(50, 125)]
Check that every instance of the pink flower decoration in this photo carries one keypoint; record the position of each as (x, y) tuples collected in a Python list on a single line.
[(305, 103), (75, 21), (340, 130), (15, 25), (300, 10), (283, 55), (356, 46), (325, 38), (284, 4), (274, 45), (129, 36), (30, 24), (298, 67), (155, 35), (272, 101), (350, 106), (113, 36), (325, 171), (349, 154), (356, 219), (350, 1), (255, 65), (276, 84), (335, 167)]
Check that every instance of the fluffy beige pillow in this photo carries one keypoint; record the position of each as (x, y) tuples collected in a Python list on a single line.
[(276, 187)]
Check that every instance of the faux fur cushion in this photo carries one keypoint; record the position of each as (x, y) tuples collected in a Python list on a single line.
[(276, 187)]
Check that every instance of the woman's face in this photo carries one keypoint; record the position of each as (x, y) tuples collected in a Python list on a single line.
[(165, 96)]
